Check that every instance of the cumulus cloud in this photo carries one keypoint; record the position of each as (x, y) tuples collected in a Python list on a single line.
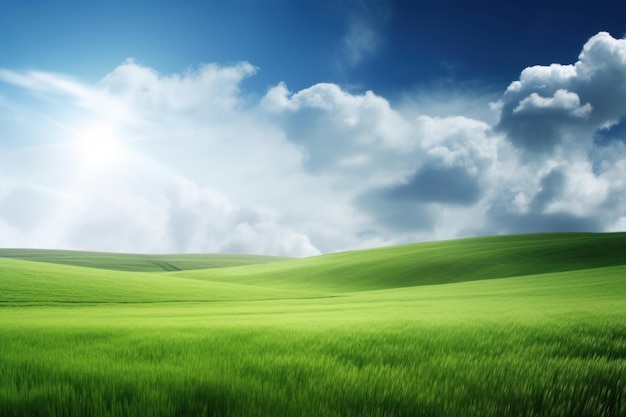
[(203, 220), (561, 106), (200, 166), (342, 129), (562, 100)]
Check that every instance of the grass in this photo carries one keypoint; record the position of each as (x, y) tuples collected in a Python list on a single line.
[(547, 340)]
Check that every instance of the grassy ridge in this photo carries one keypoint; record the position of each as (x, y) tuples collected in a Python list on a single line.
[(136, 262), (384, 268), (433, 263)]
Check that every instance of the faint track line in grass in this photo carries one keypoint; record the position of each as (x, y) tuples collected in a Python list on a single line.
[(24, 303), (164, 265)]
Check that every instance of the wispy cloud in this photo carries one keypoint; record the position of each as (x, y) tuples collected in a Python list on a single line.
[(364, 36)]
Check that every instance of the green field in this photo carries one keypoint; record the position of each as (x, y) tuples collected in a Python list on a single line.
[(527, 325)]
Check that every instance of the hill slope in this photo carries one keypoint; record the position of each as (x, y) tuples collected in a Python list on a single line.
[(432, 263), (25, 281), (136, 262)]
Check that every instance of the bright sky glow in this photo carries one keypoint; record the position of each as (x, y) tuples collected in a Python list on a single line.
[(299, 128), (99, 149)]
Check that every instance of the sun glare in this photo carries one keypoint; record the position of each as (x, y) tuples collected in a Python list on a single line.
[(99, 149)]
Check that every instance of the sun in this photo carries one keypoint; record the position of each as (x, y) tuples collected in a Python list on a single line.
[(99, 149)]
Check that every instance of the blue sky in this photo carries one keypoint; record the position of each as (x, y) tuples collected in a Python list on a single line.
[(301, 127), (304, 42)]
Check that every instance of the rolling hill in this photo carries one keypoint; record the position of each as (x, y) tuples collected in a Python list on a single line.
[(433, 263), (88, 276), (136, 262)]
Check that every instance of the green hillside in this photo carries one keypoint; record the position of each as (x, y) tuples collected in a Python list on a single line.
[(136, 262), (433, 263), (37, 282), (131, 278), (38, 276)]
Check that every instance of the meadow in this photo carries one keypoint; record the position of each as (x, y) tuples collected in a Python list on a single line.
[(527, 325)]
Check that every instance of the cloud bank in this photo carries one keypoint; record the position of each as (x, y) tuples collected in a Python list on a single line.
[(149, 162)]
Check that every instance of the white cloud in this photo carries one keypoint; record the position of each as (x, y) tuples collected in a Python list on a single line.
[(203, 167), (556, 105), (562, 100), (210, 89), (339, 126)]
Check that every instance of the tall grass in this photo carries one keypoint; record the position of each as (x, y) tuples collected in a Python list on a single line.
[(574, 367)]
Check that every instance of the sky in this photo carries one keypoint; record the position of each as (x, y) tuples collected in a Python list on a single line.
[(296, 128)]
